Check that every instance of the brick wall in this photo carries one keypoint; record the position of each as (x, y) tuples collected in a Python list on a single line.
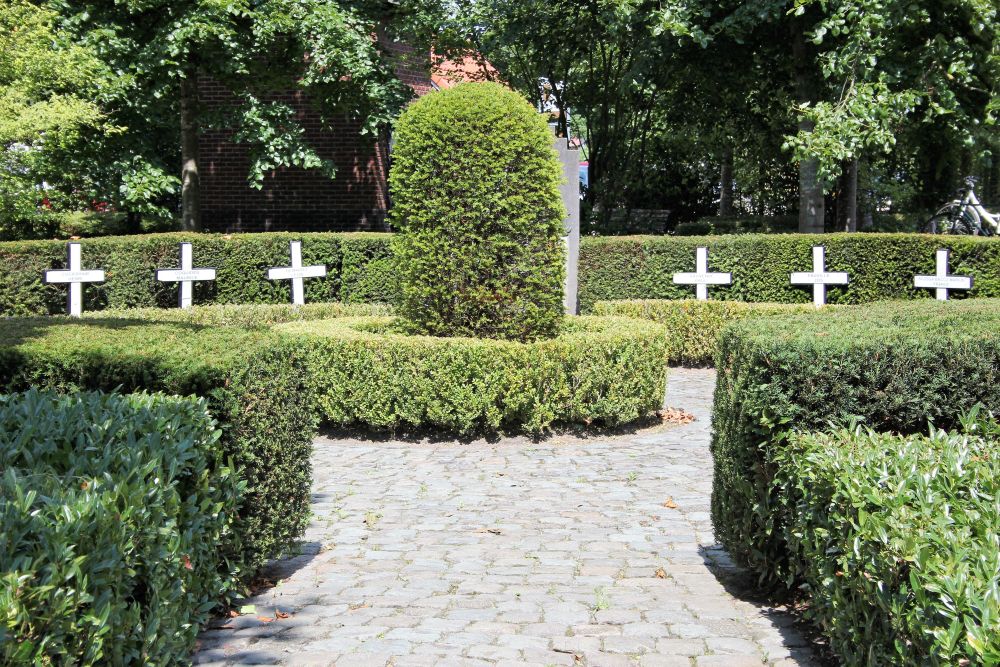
[(295, 199)]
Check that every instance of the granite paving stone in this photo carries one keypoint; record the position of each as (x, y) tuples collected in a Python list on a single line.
[(562, 551)]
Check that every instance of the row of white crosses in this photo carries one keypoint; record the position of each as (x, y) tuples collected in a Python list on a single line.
[(75, 276), (820, 278)]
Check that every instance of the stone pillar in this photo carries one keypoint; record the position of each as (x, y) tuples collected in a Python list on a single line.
[(570, 159)]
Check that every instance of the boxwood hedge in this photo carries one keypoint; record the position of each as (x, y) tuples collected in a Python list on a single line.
[(896, 366), (254, 382), (605, 370), (895, 539), (693, 327), (241, 261), (113, 510), (882, 266)]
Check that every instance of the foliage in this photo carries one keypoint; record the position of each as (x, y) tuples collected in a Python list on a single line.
[(881, 266), (895, 366), (693, 327), (245, 316), (742, 225), (366, 372), (113, 510), (48, 104), (895, 539), (254, 382), (241, 262), (475, 189)]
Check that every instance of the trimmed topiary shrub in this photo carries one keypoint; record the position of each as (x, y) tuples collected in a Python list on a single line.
[(882, 266), (693, 327), (896, 366), (895, 542), (254, 381), (475, 191), (367, 372), (113, 510)]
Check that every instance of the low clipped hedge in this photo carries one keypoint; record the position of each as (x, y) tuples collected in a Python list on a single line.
[(693, 327), (358, 270), (881, 266), (895, 539), (254, 382), (367, 372), (113, 509), (896, 366), (249, 316)]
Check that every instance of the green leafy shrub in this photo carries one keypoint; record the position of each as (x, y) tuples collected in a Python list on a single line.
[(693, 327), (895, 539), (113, 509), (605, 370), (253, 380), (881, 266), (475, 190), (894, 365), (241, 261)]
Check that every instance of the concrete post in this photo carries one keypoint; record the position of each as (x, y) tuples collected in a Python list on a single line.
[(570, 159)]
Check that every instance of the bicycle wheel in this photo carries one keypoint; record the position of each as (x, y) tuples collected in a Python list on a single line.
[(941, 222)]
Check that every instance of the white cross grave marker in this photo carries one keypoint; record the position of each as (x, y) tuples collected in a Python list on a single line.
[(819, 278), (296, 272), (942, 282), (701, 278), (75, 276), (186, 275)]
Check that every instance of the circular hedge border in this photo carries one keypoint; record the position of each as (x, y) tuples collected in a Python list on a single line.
[(605, 370)]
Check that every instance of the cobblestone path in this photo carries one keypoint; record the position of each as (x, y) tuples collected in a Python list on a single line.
[(592, 552)]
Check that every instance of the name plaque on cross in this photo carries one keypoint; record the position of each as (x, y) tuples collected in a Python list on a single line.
[(75, 276), (186, 275), (941, 282), (702, 278), (819, 277), (296, 273)]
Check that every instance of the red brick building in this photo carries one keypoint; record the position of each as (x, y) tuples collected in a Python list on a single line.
[(294, 199)]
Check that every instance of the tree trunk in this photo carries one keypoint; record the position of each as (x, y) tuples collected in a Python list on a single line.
[(812, 207), (190, 180), (726, 176), (850, 197)]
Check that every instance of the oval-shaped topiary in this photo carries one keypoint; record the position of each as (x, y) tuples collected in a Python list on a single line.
[(475, 194)]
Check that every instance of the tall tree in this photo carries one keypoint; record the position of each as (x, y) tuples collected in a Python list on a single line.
[(257, 50)]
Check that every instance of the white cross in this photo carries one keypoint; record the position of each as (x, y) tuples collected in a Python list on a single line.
[(819, 278), (296, 272), (942, 282), (185, 275), (75, 276), (701, 277)]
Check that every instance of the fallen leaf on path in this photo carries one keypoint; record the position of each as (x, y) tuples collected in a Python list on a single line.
[(359, 605), (670, 504), (265, 619), (661, 573), (675, 416), (280, 614), (248, 609)]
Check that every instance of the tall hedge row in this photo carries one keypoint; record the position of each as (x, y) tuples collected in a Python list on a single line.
[(362, 268), (358, 270), (255, 383), (113, 511), (894, 366), (881, 266)]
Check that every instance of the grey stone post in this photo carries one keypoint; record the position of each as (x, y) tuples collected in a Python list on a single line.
[(570, 159)]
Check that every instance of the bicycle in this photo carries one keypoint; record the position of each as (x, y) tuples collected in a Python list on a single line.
[(964, 215)]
